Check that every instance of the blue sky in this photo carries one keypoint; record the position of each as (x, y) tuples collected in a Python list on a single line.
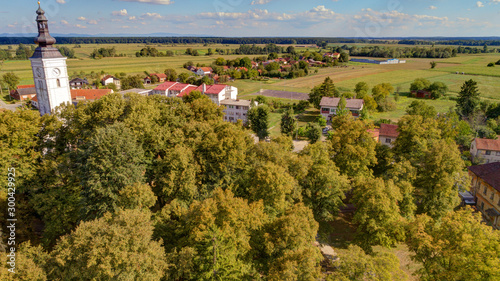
[(329, 18)]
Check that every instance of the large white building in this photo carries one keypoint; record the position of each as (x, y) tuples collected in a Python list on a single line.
[(49, 70), (236, 110)]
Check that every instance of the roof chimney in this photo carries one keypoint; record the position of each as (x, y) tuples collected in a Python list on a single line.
[(204, 88)]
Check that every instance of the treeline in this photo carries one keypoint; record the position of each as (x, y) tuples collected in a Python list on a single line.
[(105, 53), (461, 42), (391, 52), (24, 52), (153, 52)]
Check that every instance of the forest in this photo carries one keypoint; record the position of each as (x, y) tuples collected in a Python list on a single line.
[(156, 188)]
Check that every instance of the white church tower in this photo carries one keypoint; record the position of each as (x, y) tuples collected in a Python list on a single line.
[(49, 69)]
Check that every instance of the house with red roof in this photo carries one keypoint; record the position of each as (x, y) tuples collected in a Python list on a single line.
[(334, 56), (162, 89), (485, 189), (202, 71), (219, 92), (485, 150), (23, 92), (79, 95), (388, 133), (109, 79)]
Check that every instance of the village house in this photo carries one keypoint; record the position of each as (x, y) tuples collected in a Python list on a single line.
[(486, 190), (219, 92), (81, 95), (485, 150), (23, 92), (421, 94), (78, 83), (202, 71), (388, 133), (329, 107), (236, 110), (108, 79), (162, 89), (334, 56)]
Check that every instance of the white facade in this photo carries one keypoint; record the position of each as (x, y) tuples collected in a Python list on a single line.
[(51, 83), (485, 150), (236, 110)]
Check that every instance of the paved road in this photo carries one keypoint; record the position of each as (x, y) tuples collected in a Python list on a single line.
[(11, 107)]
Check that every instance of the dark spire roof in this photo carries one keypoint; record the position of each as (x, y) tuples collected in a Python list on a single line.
[(44, 39)]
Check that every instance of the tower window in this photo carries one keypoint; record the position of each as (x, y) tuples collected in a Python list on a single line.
[(58, 83)]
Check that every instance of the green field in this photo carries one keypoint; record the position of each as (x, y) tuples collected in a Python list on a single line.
[(345, 78)]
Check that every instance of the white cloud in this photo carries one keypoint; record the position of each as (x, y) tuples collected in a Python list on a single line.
[(132, 18), (82, 18), (120, 13), (155, 2), (432, 7), (479, 4), (92, 22), (11, 26), (61, 1), (80, 26), (153, 15), (260, 2), (63, 22)]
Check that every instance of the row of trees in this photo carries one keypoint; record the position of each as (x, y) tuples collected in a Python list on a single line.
[(153, 52)]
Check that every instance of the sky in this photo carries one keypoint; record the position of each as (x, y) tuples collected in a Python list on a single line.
[(244, 18)]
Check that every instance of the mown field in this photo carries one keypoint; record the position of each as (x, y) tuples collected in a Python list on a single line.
[(345, 78)]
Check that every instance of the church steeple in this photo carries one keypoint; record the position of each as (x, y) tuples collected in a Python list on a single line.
[(44, 39)]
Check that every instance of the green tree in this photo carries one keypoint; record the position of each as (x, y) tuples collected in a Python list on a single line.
[(288, 123), (323, 187), (313, 132), (446, 248), (171, 74), (131, 82), (355, 264), (361, 89), (438, 89), (378, 223), (11, 79), (468, 99), (115, 247), (420, 84), (433, 64), (327, 89), (421, 108), (30, 264), (112, 161), (344, 57), (342, 111), (352, 148), (183, 77), (259, 120)]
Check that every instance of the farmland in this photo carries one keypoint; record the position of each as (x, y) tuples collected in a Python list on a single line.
[(345, 78)]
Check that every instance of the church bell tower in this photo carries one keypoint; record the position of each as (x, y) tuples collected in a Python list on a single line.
[(49, 69)]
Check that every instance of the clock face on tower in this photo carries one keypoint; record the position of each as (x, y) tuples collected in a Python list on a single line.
[(56, 72)]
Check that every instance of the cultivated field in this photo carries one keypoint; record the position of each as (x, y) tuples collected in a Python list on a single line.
[(345, 78)]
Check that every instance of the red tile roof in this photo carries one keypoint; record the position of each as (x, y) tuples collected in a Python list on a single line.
[(25, 86), (159, 75), (108, 76), (215, 89), (187, 91), (89, 94), (178, 87), (389, 130), (206, 69), (490, 173), (165, 86), (35, 98), (488, 144)]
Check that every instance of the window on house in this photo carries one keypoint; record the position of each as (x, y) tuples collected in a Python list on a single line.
[(388, 140), (492, 197), (237, 107), (58, 83), (498, 153), (488, 152), (485, 190), (482, 205)]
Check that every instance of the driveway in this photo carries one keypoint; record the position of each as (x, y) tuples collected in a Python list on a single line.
[(11, 107)]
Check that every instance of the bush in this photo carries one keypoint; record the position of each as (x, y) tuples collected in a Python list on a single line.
[(491, 64)]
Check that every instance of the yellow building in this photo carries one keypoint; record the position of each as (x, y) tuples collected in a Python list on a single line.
[(486, 190)]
